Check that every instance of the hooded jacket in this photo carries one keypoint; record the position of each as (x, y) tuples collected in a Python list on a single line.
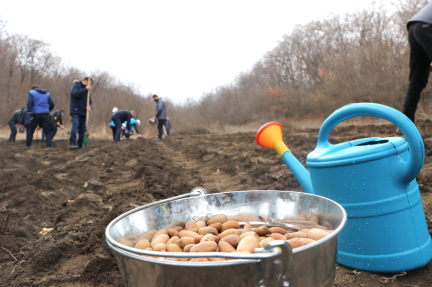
[(39, 102), (424, 15), (56, 117), (16, 117), (78, 103), (160, 110)]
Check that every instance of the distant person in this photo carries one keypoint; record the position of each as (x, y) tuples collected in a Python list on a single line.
[(78, 109), (134, 128), (120, 117), (113, 129), (14, 120), (420, 41), (160, 115), (39, 104), (55, 121)]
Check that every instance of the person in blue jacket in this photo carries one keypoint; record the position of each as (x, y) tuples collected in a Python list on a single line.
[(25, 121), (12, 122), (420, 41), (118, 118), (134, 127), (39, 105), (78, 111)]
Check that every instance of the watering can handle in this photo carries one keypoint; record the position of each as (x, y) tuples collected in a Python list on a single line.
[(414, 139)]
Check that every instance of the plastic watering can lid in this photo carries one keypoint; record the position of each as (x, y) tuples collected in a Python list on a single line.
[(356, 151)]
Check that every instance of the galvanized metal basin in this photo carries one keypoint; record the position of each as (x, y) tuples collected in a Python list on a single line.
[(310, 265)]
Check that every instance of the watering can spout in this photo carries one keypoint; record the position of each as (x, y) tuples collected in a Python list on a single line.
[(270, 135)]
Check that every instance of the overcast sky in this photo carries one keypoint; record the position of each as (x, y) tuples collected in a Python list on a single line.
[(176, 49)]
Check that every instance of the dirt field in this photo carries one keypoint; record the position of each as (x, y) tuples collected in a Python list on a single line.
[(79, 192)]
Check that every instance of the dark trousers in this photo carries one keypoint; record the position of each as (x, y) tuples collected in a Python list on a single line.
[(78, 125), (118, 127), (113, 129), (420, 41), (161, 123), (53, 131), (13, 133), (43, 120)]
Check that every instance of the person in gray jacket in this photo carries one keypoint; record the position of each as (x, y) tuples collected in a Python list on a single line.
[(160, 116), (420, 41), (13, 121)]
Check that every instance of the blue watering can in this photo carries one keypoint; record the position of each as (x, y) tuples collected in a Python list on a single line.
[(374, 180)]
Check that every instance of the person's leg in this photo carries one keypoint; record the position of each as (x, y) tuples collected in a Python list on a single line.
[(53, 131), (32, 127), (74, 129), (45, 119), (118, 126), (113, 129), (13, 131), (43, 138), (161, 123), (420, 38), (81, 131)]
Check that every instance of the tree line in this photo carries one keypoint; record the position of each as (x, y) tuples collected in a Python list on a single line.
[(314, 69)]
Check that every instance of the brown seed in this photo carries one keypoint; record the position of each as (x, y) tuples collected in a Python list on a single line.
[(295, 243), (221, 218), (216, 225), (295, 234), (207, 230), (187, 233), (172, 232), (209, 246), (174, 240), (174, 248), (142, 244), (188, 247), (249, 243), (261, 238), (200, 224), (261, 231), (266, 241), (231, 224), (178, 228), (251, 233), (162, 238), (278, 236), (225, 247), (186, 241), (277, 230), (199, 260), (160, 247), (209, 237), (247, 227), (191, 226), (198, 238), (162, 231), (232, 239), (316, 234), (229, 232), (125, 241)]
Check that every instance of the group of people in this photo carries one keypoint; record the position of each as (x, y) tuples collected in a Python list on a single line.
[(39, 105)]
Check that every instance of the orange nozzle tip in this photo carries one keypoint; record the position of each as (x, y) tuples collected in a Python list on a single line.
[(269, 134)]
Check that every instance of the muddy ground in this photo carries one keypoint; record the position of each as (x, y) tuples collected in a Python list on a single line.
[(77, 193)]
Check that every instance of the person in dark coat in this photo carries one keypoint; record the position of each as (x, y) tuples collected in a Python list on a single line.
[(160, 115), (55, 121), (39, 104), (420, 41), (118, 118), (78, 109), (13, 121)]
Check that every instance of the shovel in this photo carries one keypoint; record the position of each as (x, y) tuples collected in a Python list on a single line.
[(86, 135)]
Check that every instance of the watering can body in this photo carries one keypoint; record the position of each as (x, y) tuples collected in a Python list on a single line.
[(374, 180)]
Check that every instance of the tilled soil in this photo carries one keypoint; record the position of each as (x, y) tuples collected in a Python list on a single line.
[(77, 193)]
